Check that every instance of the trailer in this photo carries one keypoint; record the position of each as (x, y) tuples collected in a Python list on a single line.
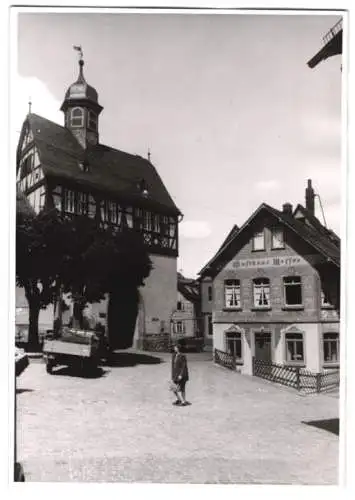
[(74, 348)]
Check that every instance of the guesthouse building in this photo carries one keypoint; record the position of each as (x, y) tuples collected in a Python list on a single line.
[(276, 290)]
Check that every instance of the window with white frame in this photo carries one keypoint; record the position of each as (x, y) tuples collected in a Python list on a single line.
[(147, 220), (77, 117), (69, 201), (129, 216), (156, 223), (294, 347), (233, 341), (259, 240), (232, 293), (91, 206), (277, 238), (112, 212), (331, 347), (82, 203), (180, 305), (57, 198), (92, 120), (179, 327), (261, 291), (293, 291)]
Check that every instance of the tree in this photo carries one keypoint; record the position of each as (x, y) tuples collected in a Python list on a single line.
[(75, 255), (102, 261), (36, 261)]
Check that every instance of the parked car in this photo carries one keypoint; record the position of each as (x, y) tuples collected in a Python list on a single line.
[(21, 361)]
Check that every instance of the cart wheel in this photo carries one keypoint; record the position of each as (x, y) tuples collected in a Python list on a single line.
[(49, 367)]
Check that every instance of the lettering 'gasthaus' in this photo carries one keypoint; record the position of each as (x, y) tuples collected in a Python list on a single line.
[(269, 262)]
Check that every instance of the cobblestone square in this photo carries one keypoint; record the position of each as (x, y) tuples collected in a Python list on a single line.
[(122, 427)]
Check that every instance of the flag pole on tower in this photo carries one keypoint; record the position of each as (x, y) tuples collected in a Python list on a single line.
[(79, 50)]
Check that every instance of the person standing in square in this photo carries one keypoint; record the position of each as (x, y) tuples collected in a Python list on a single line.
[(179, 375)]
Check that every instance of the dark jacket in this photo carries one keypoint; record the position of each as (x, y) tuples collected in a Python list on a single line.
[(179, 367)]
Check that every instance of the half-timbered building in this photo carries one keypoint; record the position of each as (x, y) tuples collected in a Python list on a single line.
[(68, 168)]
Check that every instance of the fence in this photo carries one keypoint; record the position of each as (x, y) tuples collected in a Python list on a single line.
[(292, 376), (224, 359), (299, 378)]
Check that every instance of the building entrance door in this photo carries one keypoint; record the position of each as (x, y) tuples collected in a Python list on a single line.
[(263, 346)]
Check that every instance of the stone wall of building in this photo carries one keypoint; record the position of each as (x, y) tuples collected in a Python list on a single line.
[(158, 298)]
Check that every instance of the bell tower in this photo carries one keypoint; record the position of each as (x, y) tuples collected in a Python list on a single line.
[(81, 108)]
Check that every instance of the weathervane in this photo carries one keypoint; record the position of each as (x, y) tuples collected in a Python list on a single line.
[(148, 154), (79, 50), (29, 105)]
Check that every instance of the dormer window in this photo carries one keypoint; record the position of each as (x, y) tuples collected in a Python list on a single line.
[(77, 117), (258, 241), (277, 238), (92, 121)]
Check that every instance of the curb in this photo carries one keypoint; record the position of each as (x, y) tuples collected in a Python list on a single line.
[(34, 355)]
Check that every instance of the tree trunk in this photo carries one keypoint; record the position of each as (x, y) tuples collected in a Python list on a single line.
[(78, 317), (33, 338), (122, 317)]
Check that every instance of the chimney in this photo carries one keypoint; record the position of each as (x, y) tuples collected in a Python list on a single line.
[(287, 208), (310, 197)]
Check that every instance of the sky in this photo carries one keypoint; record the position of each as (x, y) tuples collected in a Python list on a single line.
[(226, 103)]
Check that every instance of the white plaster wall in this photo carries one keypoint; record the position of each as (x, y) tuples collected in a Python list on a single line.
[(218, 335), (312, 346), (247, 346), (219, 343), (279, 348), (158, 297)]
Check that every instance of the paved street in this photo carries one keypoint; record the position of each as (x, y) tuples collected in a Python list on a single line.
[(121, 426)]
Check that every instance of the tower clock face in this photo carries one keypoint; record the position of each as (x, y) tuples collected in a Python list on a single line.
[(76, 90)]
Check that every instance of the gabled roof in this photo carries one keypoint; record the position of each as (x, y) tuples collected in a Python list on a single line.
[(321, 242), (230, 236), (189, 288), (110, 170), (312, 219)]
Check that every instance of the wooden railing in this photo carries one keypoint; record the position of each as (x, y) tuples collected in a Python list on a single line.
[(292, 376), (224, 359), (299, 378)]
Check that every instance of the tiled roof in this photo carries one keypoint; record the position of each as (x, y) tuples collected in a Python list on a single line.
[(320, 240), (317, 224), (109, 170), (230, 236), (189, 288)]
